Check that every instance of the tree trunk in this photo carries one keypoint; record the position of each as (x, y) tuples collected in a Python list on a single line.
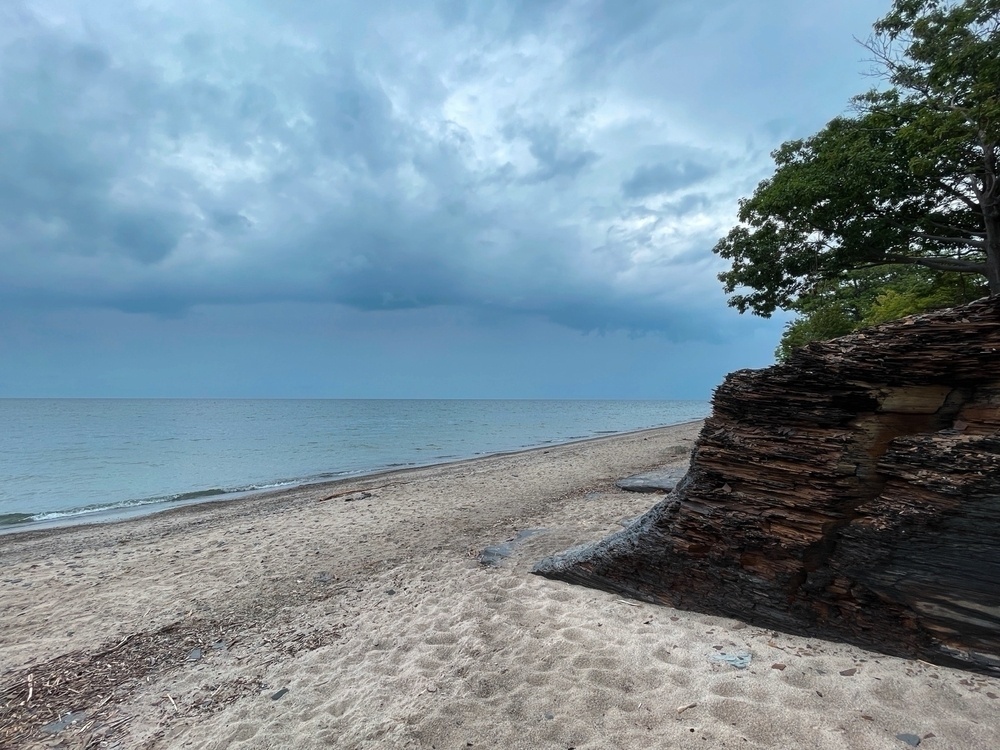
[(991, 218), (989, 203)]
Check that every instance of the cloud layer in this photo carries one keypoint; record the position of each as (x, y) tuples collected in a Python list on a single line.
[(573, 161)]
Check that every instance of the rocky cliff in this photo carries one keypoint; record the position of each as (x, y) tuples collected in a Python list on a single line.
[(850, 493)]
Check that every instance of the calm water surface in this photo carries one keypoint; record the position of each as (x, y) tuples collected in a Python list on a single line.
[(81, 458)]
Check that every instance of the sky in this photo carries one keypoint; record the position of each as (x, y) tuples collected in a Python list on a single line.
[(397, 199)]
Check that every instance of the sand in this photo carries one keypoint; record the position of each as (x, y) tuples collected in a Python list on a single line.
[(358, 615)]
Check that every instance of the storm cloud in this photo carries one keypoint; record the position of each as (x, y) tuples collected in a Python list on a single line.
[(572, 162)]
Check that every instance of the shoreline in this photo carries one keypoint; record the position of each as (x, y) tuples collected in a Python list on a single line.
[(358, 614), (132, 512)]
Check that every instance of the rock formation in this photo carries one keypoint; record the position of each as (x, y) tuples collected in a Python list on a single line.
[(851, 493)]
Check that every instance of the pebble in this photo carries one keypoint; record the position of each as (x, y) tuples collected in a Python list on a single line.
[(738, 659), (910, 739)]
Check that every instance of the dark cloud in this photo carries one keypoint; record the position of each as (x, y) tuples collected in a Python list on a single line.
[(687, 204), (146, 236), (642, 317), (664, 178), (555, 153), (353, 118), (230, 221), (377, 156)]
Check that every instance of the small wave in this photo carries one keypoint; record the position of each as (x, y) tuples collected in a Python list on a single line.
[(12, 519), (264, 486), (181, 496)]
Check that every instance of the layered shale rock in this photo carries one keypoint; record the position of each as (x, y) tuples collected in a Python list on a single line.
[(851, 493)]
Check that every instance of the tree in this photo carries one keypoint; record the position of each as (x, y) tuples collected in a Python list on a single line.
[(870, 296), (910, 180)]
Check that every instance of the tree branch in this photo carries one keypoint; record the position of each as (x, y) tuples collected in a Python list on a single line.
[(937, 264), (953, 228), (950, 240), (956, 193)]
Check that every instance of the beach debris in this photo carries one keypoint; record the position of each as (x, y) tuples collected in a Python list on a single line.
[(355, 496), (351, 495), (779, 666), (910, 739), (279, 694), (626, 601), (194, 655), (685, 707), (738, 659), (98, 680), (431, 687), (849, 672)]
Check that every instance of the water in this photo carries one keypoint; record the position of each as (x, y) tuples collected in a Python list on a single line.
[(81, 459)]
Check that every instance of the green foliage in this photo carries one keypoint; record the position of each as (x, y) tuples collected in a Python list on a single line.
[(917, 295), (864, 298), (909, 182), (819, 325)]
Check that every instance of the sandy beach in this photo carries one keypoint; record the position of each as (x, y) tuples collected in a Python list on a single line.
[(359, 615)]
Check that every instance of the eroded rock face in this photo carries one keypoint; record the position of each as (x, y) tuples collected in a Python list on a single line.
[(851, 493)]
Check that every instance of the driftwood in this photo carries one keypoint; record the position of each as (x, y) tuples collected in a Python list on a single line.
[(852, 493)]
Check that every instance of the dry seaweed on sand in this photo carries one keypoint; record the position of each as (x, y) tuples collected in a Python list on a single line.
[(80, 691)]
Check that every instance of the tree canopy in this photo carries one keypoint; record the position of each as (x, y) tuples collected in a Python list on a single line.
[(910, 180)]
